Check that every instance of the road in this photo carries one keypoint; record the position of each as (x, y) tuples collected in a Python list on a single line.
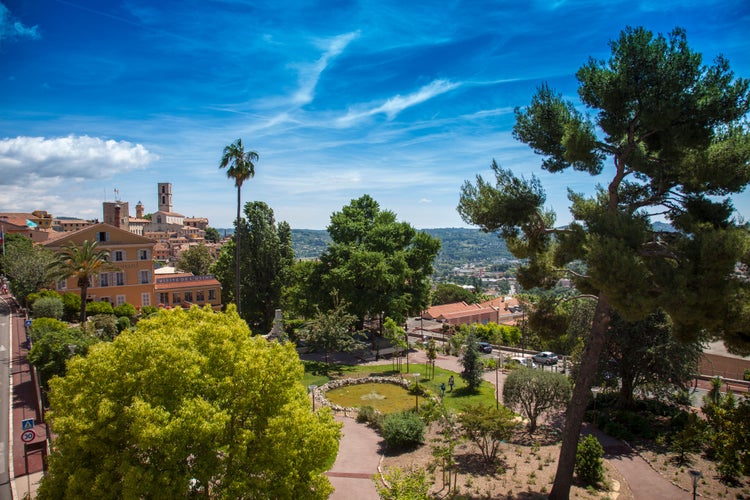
[(5, 381)]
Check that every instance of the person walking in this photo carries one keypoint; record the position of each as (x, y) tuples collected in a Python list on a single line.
[(451, 382)]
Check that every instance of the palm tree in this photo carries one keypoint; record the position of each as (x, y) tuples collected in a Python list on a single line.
[(241, 168), (83, 263)]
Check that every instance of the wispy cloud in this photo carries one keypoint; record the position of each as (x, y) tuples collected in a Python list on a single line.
[(395, 105), (309, 74), (11, 29)]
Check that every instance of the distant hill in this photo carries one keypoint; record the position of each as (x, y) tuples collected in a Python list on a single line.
[(459, 245)]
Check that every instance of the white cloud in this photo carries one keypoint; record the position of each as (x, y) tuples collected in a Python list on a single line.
[(33, 159), (11, 29), (395, 105)]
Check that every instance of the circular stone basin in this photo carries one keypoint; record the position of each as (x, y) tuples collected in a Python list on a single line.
[(385, 398)]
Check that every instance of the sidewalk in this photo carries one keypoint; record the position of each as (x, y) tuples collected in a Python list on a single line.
[(27, 458)]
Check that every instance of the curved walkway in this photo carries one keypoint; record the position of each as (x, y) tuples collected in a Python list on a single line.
[(359, 453), (357, 462)]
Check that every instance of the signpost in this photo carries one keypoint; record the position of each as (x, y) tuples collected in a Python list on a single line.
[(27, 424), (28, 436)]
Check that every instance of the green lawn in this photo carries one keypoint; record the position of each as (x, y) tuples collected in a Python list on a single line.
[(319, 373)]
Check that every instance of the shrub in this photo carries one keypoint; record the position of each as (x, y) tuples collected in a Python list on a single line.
[(147, 311), (47, 307), (589, 464), (125, 311), (71, 306), (105, 325), (411, 484), (369, 415), (123, 323), (690, 439), (402, 429), (42, 326), (99, 307)]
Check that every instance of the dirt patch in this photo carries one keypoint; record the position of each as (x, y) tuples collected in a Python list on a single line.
[(709, 485), (525, 469)]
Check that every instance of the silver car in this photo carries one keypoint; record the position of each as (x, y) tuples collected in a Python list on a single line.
[(545, 358)]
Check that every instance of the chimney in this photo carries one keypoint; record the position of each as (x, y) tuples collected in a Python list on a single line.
[(117, 216)]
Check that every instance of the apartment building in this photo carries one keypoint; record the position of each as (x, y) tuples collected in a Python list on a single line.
[(131, 254)]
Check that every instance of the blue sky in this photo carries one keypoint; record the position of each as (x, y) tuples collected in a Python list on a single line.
[(400, 100)]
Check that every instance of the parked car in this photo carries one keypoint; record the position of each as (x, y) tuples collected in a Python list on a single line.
[(545, 358), (521, 361), (485, 347)]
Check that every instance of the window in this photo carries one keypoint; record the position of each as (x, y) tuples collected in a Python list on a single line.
[(62, 285), (119, 255), (188, 296), (104, 279), (164, 298), (145, 299), (120, 300), (212, 294), (145, 276), (105, 299), (176, 298), (158, 219), (199, 296), (102, 236), (143, 254), (120, 279)]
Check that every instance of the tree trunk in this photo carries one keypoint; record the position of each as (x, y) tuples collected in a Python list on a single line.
[(625, 397), (577, 406), (237, 300), (84, 294)]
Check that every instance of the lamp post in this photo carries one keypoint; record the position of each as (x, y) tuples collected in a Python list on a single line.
[(312, 388), (497, 382), (416, 390), (595, 391), (695, 475)]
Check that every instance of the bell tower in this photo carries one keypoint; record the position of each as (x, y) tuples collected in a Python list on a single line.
[(165, 197)]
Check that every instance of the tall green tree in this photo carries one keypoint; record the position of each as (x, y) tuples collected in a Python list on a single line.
[(380, 266), (27, 265), (645, 354), (212, 235), (265, 261), (83, 263), (188, 404), (196, 259), (673, 134), (240, 165), (447, 293), (471, 361)]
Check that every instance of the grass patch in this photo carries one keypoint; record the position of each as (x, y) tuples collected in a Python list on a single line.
[(456, 400), (386, 398)]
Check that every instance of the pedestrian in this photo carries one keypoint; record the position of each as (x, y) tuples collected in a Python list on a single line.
[(451, 382)]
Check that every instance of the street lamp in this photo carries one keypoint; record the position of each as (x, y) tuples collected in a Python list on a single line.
[(311, 389), (497, 382), (695, 475), (595, 391), (416, 390)]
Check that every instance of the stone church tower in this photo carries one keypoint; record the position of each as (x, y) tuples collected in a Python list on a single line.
[(165, 196)]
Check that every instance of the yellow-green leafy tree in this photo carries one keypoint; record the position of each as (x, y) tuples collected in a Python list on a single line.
[(188, 404)]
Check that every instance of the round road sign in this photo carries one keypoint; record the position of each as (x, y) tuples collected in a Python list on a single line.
[(28, 436)]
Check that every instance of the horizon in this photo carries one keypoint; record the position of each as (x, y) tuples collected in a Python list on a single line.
[(401, 101)]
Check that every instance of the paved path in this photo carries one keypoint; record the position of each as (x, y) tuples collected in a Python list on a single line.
[(360, 443), (356, 463)]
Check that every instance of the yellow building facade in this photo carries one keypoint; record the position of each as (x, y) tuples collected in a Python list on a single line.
[(132, 255)]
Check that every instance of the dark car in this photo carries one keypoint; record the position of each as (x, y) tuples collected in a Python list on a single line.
[(485, 347), (545, 358)]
